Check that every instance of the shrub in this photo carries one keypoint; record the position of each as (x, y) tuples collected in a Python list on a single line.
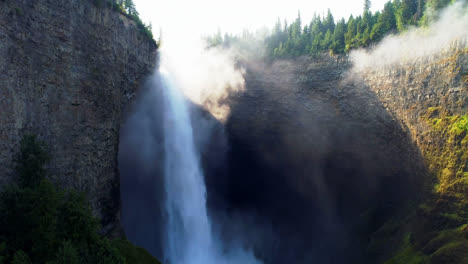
[(30, 161), (66, 254), (21, 258), (36, 217), (41, 224)]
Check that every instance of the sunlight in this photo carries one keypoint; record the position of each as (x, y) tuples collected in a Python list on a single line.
[(209, 16)]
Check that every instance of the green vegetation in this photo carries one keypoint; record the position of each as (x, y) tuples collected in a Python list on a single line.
[(447, 246), (127, 8), (134, 254), (42, 224), (324, 34), (407, 254), (439, 228), (449, 159)]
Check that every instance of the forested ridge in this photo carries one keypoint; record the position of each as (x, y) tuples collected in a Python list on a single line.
[(323, 33)]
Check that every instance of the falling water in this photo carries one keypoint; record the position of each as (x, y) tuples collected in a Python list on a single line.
[(189, 236), (189, 232)]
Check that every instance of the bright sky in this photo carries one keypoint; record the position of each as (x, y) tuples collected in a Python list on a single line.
[(207, 16)]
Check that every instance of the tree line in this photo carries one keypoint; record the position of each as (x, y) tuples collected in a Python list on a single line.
[(323, 33)]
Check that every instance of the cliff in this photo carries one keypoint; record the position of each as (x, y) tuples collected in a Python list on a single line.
[(331, 163), (67, 72), (378, 155), (429, 98)]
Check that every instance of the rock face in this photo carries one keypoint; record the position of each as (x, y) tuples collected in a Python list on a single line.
[(421, 93), (67, 71), (316, 159), (429, 97)]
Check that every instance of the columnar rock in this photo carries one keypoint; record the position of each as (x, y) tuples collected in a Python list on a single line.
[(67, 71)]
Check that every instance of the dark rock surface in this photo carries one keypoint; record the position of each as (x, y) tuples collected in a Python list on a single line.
[(67, 72), (315, 163)]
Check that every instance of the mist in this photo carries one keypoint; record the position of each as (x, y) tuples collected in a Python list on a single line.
[(295, 159), (449, 32)]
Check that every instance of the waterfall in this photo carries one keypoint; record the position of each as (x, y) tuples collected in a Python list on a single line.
[(188, 227), (190, 238)]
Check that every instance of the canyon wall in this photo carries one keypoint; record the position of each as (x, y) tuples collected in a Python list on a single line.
[(315, 163), (68, 69), (428, 96)]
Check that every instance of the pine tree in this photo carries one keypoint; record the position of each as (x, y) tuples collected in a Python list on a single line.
[(350, 33), (385, 24), (329, 22), (367, 5), (338, 45), (405, 14), (129, 6), (327, 40)]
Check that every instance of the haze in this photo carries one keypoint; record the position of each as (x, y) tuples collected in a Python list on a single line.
[(207, 16)]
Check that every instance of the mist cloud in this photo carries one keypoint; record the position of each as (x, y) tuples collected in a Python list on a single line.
[(206, 76), (450, 31)]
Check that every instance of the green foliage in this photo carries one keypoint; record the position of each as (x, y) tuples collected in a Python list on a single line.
[(446, 246), (2, 252), (41, 224), (460, 125), (127, 8), (323, 34), (76, 221), (386, 23), (21, 258), (30, 161), (66, 254), (406, 14), (134, 254)]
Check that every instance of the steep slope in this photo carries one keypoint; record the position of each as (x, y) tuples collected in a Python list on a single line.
[(429, 96), (67, 71), (315, 163)]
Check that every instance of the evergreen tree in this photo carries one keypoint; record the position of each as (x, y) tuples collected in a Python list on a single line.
[(66, 254), (30, 161), (129, 6), (317, 44), (21, 257), (350, 34), (406, 14), (385, 24), (338, 45), (329, 22), (367, 5), (327, 40), (438, 4)]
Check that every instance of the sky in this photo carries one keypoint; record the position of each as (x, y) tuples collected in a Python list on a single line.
[(208, 16)]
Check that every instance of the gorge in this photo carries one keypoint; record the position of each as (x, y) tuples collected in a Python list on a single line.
[(319, 159)]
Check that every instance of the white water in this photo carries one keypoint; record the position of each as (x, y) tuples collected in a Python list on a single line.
[(189, 233)]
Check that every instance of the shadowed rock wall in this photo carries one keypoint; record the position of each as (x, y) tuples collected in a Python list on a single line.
[(67, 71)]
